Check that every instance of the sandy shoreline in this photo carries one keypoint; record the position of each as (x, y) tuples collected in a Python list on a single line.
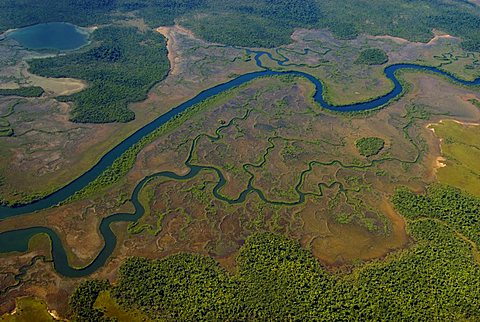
[(440, 163), (54, 314), (6, 32)]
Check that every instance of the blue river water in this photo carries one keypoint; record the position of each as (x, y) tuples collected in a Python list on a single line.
[(17, 240), (54, 35)]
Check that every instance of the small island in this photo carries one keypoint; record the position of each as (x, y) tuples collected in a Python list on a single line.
[(372, 56), (369, 146)]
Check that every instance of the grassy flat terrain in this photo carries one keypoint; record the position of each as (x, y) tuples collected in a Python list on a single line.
[(27, 310), (461, 148), (111, 309)]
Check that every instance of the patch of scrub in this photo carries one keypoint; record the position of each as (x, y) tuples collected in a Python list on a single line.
[(372, 56)]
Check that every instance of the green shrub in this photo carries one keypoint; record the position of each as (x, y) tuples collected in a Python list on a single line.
[(372, 56), (369, 146)]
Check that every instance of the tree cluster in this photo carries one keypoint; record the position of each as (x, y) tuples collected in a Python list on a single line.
[(369, 146), (372, 56), (276, 279), (265, 23), (120, 69), (32, 91)]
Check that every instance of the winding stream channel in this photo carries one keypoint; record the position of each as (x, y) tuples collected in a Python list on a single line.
[(17, 240)]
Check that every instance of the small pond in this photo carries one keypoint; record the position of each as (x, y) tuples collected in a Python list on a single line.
[(54, 36)]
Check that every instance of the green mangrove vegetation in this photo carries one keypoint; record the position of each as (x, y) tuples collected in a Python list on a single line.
[(83, 299), (450, 205), (475, 102), (435, 279), (120, 68), (372, 56), (5, 126), (369, 146), (265, 23), (397, 18), (32, 91)]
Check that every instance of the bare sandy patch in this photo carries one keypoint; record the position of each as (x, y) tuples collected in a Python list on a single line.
[(466, 123), (171, 34), (54, 314), (430, 128), (91, 28), (469, 96), (172, 57), (437, 36), (439, 162), (440, 36), (55, 86)]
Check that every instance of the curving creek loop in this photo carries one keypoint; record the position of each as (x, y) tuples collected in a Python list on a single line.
[(17, 240)]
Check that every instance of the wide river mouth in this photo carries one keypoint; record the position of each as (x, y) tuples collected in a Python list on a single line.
[(60, 36)]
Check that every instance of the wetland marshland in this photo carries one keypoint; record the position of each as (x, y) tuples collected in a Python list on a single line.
[(288, 179)]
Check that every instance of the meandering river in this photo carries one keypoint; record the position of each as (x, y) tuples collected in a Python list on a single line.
[(17, 240)]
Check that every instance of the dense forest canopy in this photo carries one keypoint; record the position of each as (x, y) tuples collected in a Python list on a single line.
[(265, 23), (114, 73), (436, 279)]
